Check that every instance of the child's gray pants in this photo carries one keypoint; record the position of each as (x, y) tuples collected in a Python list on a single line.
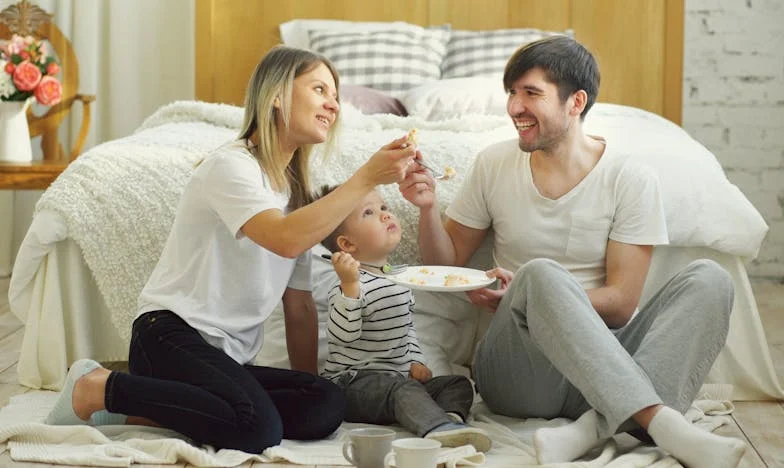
[(388, 397)]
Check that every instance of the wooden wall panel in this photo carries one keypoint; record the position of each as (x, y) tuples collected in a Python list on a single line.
[(673, 61), (627, 39), (232, 36), (471, 14), (552, 15), (638, 43)]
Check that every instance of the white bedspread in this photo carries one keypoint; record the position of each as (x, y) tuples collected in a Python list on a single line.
[(118, 199), (27, 439)]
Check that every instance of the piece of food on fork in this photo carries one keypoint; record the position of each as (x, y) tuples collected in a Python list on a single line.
[(412, 136), (448, 172)]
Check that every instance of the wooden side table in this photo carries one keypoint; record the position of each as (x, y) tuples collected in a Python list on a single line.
[(34, 175)]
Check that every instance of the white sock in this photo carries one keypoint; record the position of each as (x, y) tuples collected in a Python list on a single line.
[(569, 442), (694, 446)]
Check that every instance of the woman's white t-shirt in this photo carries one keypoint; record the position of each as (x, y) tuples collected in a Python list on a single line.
[(219, 281), (618, 199)]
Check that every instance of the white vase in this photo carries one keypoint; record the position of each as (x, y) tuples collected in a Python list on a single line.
[(15, 143)]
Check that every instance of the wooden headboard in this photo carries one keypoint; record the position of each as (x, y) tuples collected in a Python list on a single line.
[(638, 43)]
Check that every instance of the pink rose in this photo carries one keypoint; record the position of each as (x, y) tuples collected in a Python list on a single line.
[(9, 68), (26, 76), (52, 69), (24, 54), (49, 91)]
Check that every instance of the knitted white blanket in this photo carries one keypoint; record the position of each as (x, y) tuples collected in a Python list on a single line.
[(27, 439), (118, 199)]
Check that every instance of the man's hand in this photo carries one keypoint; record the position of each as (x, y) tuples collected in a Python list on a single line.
[(347, 268), (420, 372), (418, 187), (490, 298)]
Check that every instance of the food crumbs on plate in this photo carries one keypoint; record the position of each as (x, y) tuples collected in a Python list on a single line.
[(415, 280), (456, 280)]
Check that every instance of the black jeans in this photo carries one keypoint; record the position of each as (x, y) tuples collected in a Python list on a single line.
[(183, 383)]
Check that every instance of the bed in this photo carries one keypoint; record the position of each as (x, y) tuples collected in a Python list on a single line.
[(98, 230)]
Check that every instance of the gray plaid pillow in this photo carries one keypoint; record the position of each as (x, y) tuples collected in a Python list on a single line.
[(389, 60), (485, 53)]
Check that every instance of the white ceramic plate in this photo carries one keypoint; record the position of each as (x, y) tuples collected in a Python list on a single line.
[(433, 278)]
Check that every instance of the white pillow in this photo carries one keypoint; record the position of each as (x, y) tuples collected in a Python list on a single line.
[(485, 53), (386, 60), (456, 97), (702, 207), (295, 32)]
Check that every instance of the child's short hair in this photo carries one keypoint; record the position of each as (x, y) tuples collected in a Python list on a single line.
[(331, 241)]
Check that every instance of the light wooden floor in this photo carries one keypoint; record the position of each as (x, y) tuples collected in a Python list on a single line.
[(761, 424)]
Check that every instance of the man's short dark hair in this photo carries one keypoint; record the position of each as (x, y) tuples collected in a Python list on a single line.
[(565, 63), (330, 242)]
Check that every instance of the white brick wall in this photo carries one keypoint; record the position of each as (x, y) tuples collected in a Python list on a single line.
[(733, 103)]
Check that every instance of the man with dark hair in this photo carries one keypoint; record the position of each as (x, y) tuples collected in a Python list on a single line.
[(576, 219)]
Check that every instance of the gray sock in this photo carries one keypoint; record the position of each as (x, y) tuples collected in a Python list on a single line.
[(106, 418)]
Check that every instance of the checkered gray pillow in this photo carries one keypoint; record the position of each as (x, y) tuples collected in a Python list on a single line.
[(388, 60), (485, 53)]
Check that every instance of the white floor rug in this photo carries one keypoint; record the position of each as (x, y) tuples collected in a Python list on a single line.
[(27, 439)]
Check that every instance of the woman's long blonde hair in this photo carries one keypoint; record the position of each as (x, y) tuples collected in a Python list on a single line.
[(274, 78)]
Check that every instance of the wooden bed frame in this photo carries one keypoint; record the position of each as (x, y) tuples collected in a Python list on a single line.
[(638, 43)]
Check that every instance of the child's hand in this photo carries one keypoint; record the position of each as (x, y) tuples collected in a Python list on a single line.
[(347, 269), (420, 372)]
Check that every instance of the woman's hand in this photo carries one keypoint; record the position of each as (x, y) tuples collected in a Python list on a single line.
[(420, 372), (389, 164), (490, 298), (347, 269)]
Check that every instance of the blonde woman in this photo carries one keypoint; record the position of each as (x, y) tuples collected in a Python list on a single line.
[(238, 246)]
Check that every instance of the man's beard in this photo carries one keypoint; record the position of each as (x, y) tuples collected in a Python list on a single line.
[(545, 143)]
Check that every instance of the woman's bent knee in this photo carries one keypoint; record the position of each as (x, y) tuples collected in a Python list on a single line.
[(330, 406), (267, 433)]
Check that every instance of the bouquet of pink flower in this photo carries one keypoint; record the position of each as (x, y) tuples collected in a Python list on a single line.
[(27, 70)]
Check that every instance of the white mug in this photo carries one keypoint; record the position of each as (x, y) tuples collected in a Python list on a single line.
[(413, 453), (367, 446)]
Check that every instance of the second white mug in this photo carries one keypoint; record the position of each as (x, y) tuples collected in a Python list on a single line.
[(413, 452)]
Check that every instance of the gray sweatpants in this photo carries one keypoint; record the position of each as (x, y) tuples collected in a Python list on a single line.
[(388, 397), (547, 353)]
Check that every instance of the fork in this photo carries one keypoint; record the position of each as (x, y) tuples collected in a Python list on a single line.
[(438, 175), (386, 268)]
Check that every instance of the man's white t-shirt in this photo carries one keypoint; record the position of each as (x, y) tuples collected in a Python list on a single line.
[(219, 281), (618, 199)]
